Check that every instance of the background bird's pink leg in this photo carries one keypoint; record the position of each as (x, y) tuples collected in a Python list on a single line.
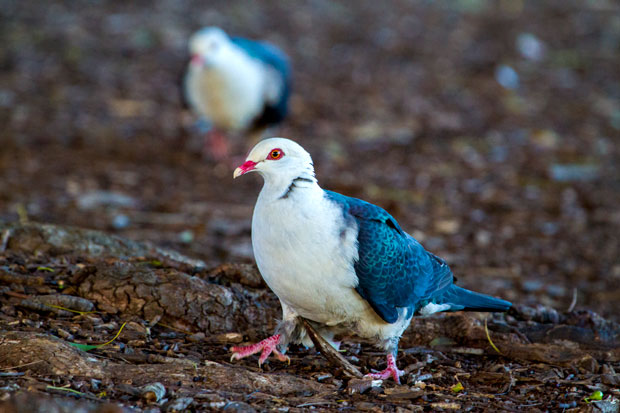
[(390, 371), (216, 145), (266, 347)]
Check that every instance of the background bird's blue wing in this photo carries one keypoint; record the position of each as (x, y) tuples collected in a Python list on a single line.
[(266, 53), (274, 57), (393, 269)]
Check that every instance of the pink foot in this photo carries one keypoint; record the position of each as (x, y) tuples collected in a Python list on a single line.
[(266, 347), (390, 371), (216, 145)]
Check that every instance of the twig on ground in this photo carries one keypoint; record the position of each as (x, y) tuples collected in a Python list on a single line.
[(330, 353), (573, 303), (22, 365), (310, 404), (6, 234), (486, 330)]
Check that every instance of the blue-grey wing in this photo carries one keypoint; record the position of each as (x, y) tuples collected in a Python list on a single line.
[(393, 269)]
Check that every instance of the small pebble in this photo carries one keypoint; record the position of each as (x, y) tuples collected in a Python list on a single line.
[(507, 77), (186, 237), (198, 337), (120, 221), (530, 46), (323, 377), (361, 386), (153, 392), (179, 404)]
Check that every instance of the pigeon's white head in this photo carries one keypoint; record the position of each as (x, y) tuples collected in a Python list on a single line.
[(280, 161), (210, 46)]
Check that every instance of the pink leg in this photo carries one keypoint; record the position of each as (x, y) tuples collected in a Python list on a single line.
[(216, 145), (266, 347), (390, 371)]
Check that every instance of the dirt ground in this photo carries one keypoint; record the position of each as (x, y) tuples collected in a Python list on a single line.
[(489, 129)]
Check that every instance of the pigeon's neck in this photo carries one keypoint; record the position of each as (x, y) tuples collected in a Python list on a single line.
[(301, 183), (283, 187)]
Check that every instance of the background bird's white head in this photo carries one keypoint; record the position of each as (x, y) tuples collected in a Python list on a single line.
[(210, 46), (279, 161)]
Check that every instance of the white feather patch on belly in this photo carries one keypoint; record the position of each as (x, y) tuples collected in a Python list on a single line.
[(306, 255), (231, 94)]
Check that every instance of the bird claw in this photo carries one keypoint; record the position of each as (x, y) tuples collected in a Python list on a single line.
[(386, 374), (391, 371), (265, 347), (279, 356)]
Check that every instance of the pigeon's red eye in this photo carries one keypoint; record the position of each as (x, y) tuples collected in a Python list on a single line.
[(275, 154)]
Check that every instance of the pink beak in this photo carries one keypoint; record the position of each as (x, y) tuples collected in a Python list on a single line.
[(196, 60), (244, 169)]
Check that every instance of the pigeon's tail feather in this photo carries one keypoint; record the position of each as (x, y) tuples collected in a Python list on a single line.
[(461, 299)]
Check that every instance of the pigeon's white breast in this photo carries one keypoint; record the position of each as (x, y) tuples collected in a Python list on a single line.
[(305, 253), (230, 94)]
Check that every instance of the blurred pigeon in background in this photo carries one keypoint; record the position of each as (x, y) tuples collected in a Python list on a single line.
[(236, 85), (342, 263)]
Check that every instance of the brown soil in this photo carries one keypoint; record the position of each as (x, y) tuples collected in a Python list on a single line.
[(399, 104)]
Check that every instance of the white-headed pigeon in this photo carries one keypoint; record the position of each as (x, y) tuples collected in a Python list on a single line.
[(342, 263), (235, 84)]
